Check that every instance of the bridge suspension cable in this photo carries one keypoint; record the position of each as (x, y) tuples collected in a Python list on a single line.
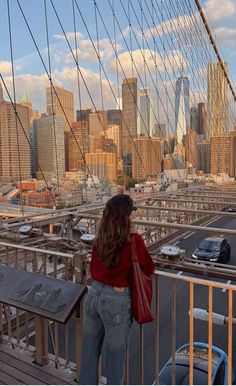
[(165, 46), (54, 90)]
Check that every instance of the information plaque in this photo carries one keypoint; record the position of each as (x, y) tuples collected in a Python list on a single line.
[(42, 295)]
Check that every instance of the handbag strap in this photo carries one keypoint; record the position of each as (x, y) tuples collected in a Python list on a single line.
[(134, 254)]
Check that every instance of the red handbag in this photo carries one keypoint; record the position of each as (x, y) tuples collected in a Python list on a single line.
[(141, 290)]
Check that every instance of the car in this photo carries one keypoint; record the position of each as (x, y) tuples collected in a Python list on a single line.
[(232, 209), (215, 249), (200, 366)]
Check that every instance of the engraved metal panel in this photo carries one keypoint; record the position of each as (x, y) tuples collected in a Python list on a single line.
[(45, 296)]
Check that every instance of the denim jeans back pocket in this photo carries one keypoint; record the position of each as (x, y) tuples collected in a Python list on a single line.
[(113, 311)]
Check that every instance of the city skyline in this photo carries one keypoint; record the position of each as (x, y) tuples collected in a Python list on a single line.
[(164, 94), (118, 142), (92, 150)]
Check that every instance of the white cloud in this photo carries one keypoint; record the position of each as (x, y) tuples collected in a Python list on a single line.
[(160, 30), (68, 78), (6, 67), (85, 49), (217, 10), (174, 60), (35, 87), (226, 36), (171, 25), (127, 31)]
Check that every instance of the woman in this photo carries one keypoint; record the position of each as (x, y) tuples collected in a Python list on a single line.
[(108, 316)]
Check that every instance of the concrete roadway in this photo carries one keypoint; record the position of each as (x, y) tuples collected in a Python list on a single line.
[(12, 210), (182, 319)]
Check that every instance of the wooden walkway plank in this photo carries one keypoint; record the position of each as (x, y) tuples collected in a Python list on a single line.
[(6, 379), (23, 363), (18, 374)]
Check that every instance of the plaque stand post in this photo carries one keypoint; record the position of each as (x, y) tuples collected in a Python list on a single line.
[(80, 277), (41, 340), (81, 264)]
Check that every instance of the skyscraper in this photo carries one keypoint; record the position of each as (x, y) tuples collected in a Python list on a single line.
[(182, 114), (220, 154), (191, 148), (50, 146), (146, 155), (152, 118), (97, 123), (194, 119), (14, 147), (129, 114), (144, 111), (113, 132), (204, 156), (78, 145), (1, 93), (102, 164), (33, 151), (223, 150), (60, 102), (160, 130), (83, 115), (26, 102), (114, 117), (232, 153), (32, 138), (201, 119), (217, 103), (119, 103)]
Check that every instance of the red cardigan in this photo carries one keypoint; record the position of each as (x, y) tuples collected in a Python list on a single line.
[(120, 274)]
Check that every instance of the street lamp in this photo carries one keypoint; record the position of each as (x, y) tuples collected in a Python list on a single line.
[(199, 313)]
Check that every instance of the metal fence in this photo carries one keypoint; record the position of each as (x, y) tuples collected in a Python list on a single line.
[(18, 327), (175, 298), (186, 296)]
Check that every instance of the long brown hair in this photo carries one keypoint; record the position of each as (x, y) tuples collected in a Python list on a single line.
[(114, 228)]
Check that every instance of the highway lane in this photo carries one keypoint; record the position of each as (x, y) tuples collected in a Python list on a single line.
[(13, 210), (190, 241)]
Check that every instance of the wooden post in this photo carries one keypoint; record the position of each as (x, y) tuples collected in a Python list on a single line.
[(1, 322), (79, 335), (41, 341), (80, 277), (50, 228), (80, 257)]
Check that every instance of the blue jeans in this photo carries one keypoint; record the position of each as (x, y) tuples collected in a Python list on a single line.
[(107, 320)]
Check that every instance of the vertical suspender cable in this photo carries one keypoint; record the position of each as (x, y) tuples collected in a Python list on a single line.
[(52, 97), (36, 46), (79, 88), (14, 101)]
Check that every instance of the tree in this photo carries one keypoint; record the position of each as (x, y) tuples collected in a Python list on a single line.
[(130, 182)]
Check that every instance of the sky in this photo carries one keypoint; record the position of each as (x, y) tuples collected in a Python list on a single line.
[(97, 85)]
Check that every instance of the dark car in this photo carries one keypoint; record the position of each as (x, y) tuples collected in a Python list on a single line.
[(215, 249), (232, 209), (200, 366)]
